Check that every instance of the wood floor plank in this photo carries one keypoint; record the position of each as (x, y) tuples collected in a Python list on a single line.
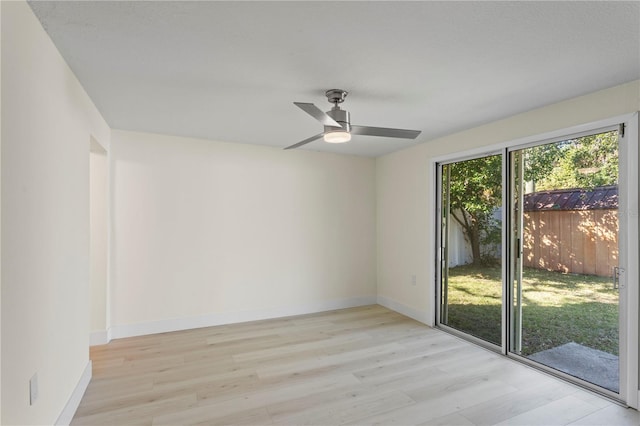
[(288, 347), (212, 407), (138, 414), (311, 401), (559, 412), (365, 365), (115, 402), (432, 404), (408, 366), (330, 363), (515, 403), (104, 389), (258, 416), (450, 420), (612, 415), (353, 409)]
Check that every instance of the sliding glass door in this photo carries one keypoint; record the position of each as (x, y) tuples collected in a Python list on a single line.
[(471, 224), (564, 204), (529, 257)]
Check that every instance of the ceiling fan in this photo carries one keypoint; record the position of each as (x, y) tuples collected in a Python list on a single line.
[(337, 124)]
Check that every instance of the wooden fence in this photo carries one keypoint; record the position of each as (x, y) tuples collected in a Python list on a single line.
[(572, 241)]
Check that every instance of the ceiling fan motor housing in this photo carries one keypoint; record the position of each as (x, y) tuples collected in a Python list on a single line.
[(342, 117)]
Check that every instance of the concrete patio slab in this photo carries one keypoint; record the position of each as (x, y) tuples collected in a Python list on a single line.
[(595, 366)]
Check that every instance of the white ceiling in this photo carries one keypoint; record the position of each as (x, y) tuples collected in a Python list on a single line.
[(229, 71)]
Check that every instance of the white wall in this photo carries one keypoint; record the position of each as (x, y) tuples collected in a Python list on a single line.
[(0, 222), (406, 201), (208, 232), (47, 123), (98, 195)]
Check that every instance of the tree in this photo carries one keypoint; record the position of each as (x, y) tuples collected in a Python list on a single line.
[(587, 162), (475, 186), (539, 161), (475, 191)]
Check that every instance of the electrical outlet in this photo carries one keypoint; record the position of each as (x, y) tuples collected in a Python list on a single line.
[(33, 389), (413, 280)]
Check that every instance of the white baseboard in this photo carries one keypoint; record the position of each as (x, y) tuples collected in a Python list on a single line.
[(176, 324), (101, 337), (403, 309), (76, 396)]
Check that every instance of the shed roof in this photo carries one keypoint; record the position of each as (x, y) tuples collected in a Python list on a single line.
[(604, 197)]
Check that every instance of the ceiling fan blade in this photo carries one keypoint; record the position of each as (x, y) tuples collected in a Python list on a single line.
[(317, 113), (385, 131), (306, 141)]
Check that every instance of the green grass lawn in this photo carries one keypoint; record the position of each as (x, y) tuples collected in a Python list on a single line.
[(557, 308)]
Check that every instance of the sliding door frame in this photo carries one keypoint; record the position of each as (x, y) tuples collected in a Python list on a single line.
[(629, 303), (622, 234), (441, 256)]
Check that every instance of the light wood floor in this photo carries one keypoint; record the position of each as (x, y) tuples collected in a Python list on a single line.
[(363, 365)]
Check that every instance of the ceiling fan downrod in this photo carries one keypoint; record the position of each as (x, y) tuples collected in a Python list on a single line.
[(341, 116)]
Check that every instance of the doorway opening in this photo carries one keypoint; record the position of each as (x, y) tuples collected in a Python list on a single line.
[(98, 235)]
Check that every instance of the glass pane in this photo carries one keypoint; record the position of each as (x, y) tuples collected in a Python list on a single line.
[(565, 288), (471, 273)]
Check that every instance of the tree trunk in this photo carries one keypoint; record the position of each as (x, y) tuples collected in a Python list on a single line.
[(474, 239)]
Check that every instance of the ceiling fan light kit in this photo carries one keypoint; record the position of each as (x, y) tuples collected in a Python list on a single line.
[(337, 123), (337, 136)]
